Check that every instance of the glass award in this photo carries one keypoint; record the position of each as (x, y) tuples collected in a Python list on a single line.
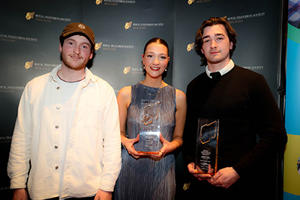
[(206, 159), (149, 125)]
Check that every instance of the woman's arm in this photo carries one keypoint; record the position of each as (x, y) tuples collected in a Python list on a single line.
[(124, 100)]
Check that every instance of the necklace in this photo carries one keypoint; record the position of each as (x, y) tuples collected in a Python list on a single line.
[(69, 81)]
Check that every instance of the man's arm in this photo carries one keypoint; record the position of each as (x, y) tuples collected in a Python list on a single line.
[(269, 127), (18, 163), (112, 143)]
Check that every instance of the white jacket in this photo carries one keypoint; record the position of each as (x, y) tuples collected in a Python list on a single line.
[(62, 161)]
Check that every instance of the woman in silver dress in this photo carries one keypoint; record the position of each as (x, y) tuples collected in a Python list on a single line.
[(150, 175)]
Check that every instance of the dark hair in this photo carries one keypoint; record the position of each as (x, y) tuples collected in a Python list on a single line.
[(210, 22), (158, 41), (91, 61)]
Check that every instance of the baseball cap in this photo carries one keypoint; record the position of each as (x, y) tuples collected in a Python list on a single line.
[(77, 27)]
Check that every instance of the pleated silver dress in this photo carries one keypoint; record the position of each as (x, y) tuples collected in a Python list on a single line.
[(144, 178)]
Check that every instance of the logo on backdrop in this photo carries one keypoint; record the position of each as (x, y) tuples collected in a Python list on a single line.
[(190, 46), (112, 47), (44, 18), (8, 88), (242, 18), (255, 67), (28, 64), (29, 15), (141, 26), (128, 25), (98, 46), (98, 2), (190, 2), (114, 2), (126, 69), (39, 66), (13, 38), (130, 69)]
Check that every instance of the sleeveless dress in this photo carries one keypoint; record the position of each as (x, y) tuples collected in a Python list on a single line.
[(144, 178)]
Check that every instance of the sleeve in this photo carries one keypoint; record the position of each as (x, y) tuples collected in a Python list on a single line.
[(112, 143), (189, 137), (19, 156), (269, 127)]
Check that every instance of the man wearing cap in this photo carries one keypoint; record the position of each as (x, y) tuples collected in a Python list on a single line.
[(66, 141)]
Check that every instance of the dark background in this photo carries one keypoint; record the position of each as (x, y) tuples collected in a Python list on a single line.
[(34, 40)]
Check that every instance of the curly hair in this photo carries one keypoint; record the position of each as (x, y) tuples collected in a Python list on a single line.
[(210, 22)]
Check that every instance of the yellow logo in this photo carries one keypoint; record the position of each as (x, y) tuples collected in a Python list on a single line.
[(128, 25), (126, 69), (186, 186), (190, 1), (190, 46), (29, 15), (98, 2), (98, 46), (28, 64)]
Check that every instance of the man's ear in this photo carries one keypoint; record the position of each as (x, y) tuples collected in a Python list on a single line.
[(231, 45), (91, 56), (60, 48)]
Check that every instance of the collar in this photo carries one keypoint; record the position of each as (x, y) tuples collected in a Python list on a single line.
[(89, 77), (223, 71)]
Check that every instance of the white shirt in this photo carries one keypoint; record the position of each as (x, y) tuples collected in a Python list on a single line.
[(71, 157), (223, 71)]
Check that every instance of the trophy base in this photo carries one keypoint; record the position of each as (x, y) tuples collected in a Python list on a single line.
[(204, 170), (149, 143), (148, 152), (201, 172)]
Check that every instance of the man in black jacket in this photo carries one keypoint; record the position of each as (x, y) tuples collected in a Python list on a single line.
[(251, 130)]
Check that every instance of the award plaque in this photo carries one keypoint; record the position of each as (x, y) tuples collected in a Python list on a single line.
[(149, 125), (207, 146)]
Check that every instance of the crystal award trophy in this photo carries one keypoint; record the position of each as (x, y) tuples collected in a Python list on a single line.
[(206, 158), (149, 142)]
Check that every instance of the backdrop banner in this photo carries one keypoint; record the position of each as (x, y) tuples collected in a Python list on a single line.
[(30, 46)]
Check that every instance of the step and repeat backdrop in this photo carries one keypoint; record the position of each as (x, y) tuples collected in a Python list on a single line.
[(29, 45)]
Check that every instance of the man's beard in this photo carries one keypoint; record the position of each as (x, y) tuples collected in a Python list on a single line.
[(70, 65)]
